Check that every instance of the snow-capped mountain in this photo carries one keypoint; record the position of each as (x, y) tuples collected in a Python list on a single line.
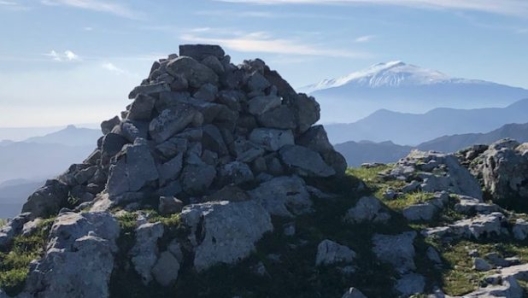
[(405, 88)]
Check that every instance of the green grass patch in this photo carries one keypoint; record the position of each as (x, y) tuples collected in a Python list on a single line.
[(409, 199), (14, 264)]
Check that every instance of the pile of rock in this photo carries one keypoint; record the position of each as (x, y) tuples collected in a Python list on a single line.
[(224, 146), (201, 129)]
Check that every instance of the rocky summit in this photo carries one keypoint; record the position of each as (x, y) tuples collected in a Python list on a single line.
[(216, 182)]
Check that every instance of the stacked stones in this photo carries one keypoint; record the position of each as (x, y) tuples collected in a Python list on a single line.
[(199, 124)]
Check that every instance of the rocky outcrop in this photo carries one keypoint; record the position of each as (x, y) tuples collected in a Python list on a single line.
[(502, 167), (79, 258), (436, 172)]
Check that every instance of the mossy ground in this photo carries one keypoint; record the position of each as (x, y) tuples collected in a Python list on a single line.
[(14, 263)]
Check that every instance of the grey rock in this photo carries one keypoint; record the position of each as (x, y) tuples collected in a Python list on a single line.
[(195, 73), (235, 173), (201, 51), (479, 227), (316, 139), (508, 287), (280, 117), (367, 209), (247, 151), (214, 64), (410, 284), (171, 121), (261, 104), (88, 239), (336, 161), (231, 193), (305, 162), (257, 82), (133, 170), (420, 212), (170, 170), (47, 200), (196, 178), (283, 196), (144, 254), (397, 250), (480, 264), (468, 205), (172, 147), (271, 139), (207, 92), (353, 293), (413, 186), (108, 125), (169, 205), (152, 90), (166, 269), (132, 130), (229, 231), (306, 110), (83, 176), (433, 255), (112, 144), (289, 229), (213, 140), (330, 252), (503, 168), (520, 229), (141, 108), (12, 229)]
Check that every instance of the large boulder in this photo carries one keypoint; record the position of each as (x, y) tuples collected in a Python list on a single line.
[(305, 162), (283, 196), (397, 250), (194, 72), (225, 232), (79, 258), (330, 252), (503, 169), (47, 200)]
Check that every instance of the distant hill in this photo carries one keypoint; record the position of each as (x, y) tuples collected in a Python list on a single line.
[(403, 87), (357, 153), (14, 193), (413, 129), (454, 143), (71, 136)]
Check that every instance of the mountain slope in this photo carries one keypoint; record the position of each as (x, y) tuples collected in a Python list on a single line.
[(412, 129), (70, 136), (454, 143), (357, 153), (403, 87)]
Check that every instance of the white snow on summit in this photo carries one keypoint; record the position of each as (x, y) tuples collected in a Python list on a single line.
[(390, 74)]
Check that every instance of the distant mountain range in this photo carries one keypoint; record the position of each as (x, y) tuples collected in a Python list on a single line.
[(70, 136), (357, 153), (26, 164), (407, 88), (413, 129)]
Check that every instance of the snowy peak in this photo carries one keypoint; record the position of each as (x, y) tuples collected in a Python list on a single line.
[(389, 74)]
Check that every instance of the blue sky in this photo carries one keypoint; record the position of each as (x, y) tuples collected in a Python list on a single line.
[(74, 61)]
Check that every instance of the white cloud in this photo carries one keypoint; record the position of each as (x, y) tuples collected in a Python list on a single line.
[(111, 67), (263, 42), (363, 39), (88, 28), (96, 5), (12, 5), (508, 7), (66, 56)]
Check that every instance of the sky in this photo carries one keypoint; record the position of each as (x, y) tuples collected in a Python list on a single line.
[(75, 61)]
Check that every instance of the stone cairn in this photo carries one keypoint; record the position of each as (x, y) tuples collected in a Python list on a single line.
[(198, 127)]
